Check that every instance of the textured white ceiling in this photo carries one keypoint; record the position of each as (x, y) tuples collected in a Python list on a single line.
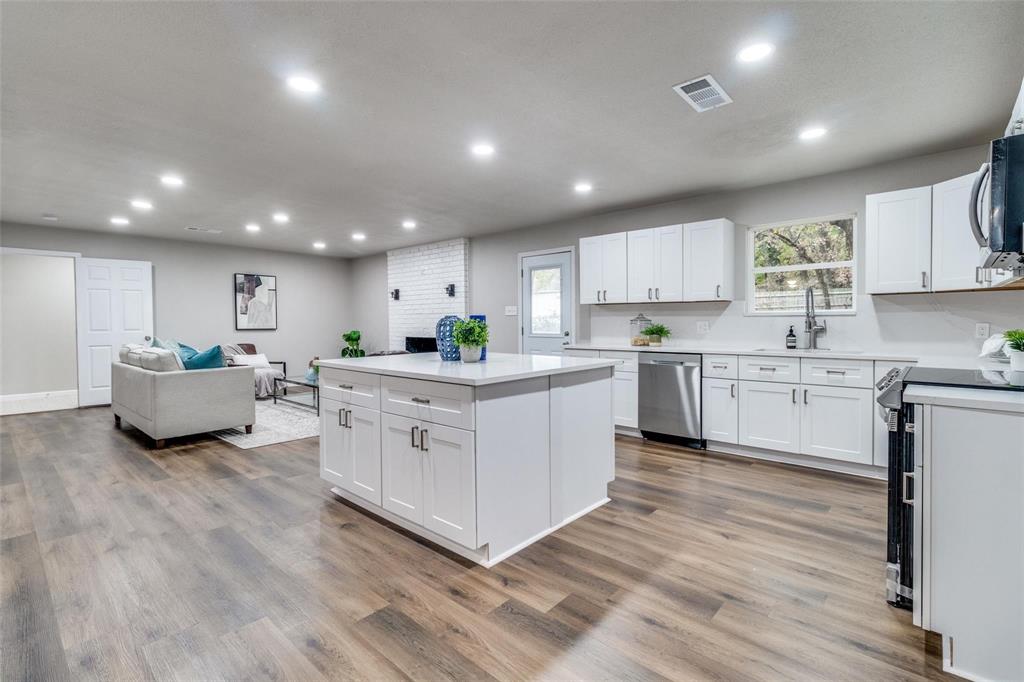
[(98, 99)]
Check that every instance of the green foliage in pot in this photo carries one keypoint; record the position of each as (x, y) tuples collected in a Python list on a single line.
[(1015, 339), (657, 330), (352, 349), (470, 333)]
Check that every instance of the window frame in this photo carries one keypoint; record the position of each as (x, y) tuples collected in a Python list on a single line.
[(854, 264)]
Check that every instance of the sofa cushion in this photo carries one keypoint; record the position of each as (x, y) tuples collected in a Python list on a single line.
[(122, 354), (207, 359), (161, 360), (181, 349), (133, 355)]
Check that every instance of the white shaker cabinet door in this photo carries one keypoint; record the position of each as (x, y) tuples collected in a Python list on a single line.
[(955, 254), (590, 269), (364, 453), (640, 268), (402, 467), (708, 269), (625, 398), (898, 241), (668, 263), (836, 422), (449, 493), (334, 448), (614, 262), (769, 415), (720, 410)]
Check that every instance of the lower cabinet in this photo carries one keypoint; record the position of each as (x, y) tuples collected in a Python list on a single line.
[(720, 410), (350, 448), (769, 415), (429, 476), (836, 422), (626, 398)]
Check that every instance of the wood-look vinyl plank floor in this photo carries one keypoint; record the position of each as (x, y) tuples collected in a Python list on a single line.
[(203, 562)]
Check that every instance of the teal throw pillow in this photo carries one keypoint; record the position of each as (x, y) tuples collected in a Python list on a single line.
[(207, 359)]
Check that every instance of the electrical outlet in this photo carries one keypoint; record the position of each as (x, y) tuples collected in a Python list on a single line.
[(511, 310), (981, 330), (703, 327)]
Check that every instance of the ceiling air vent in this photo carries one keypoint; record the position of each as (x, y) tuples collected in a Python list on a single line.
[(207, 230), (703, 94)]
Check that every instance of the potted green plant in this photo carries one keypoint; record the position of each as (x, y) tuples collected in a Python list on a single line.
[(352, 349), (471, 336), (655, 333), (1015, 348)]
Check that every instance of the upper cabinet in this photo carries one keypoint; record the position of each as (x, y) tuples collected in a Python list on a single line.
[(708, 260), (898, 240), (655, 264), (603, 270), (955, 253)]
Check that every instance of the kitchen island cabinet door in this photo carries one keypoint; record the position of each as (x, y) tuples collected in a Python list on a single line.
[(402, 467), (363, 445), (449, 483), (334, 449)]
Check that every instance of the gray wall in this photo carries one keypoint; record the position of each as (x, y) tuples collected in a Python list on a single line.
[(192, 286), (369, 300), (37, 324), (943, 321)]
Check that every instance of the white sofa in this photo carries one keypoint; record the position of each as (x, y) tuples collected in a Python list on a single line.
[(182, 402)]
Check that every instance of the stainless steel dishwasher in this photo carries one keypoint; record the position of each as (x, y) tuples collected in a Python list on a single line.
[(670, 397)]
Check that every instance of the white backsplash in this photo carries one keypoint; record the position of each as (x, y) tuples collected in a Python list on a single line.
[(918, 324)]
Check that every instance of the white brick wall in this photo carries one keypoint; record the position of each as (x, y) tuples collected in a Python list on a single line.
[(421, 273)]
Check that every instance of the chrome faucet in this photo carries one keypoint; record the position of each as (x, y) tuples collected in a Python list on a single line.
[(811, 325)]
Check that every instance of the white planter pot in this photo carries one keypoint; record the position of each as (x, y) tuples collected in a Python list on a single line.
[(470, 353), (1016, 360)]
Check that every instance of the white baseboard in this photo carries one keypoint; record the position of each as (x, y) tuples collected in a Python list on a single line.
[(22, 403), (865, 470)]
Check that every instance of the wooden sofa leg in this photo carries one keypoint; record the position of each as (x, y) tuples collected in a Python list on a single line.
[(159, 443), (117, 421), (248, 428)]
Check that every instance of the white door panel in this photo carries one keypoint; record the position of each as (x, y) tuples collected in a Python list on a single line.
[(449, 494), (625, 398), (333, 443), (401, 467), (899, 241), (668, 263), (640, 268), (114, 307), (364, 453), (955, 253), (769, 415), (836, 422), (720, 410), (614, 268)]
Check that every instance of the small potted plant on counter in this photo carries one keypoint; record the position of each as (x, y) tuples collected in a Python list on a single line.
[(655, 333), (471, 336), (1015, 348)]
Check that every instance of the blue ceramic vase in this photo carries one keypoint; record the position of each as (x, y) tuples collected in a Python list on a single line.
[(445, 333), (483, 351)]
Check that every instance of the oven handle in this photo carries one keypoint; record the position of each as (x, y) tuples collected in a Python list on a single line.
[(974, 206)]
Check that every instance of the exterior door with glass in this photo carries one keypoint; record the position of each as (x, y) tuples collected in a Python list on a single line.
[(547, 303)]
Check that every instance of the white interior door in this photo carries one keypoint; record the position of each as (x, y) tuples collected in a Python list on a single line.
[(114, 307), (547, 306)]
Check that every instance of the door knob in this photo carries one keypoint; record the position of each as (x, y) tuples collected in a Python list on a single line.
[(565, 333)]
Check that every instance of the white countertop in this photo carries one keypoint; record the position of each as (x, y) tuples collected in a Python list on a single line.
[(954, 396), (965, 361), (497, 368)]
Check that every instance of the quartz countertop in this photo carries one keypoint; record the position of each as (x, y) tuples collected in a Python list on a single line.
[(497, 368)]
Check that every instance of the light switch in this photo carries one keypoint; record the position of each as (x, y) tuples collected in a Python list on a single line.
[(511, 310), (982, 330)]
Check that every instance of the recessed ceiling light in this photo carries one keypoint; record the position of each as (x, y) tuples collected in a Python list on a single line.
[(319, 245), (409, 224), (307, 85), (582, 188), (812, 133), (142, 205), (358, 236), (171, 180), (120, 220), (49, 216), (281, 218), (482, 150), (252, 227), (755, 52)]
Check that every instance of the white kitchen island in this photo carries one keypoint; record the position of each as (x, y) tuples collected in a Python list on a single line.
[(483, 459)]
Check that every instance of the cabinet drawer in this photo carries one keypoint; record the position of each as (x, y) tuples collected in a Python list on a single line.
[(627, 361), (720, 367), (822, 372), (786, 370), (432, 401), (354, 388), (582, 353)]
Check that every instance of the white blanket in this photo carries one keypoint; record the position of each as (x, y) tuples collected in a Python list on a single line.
[(265, 380)]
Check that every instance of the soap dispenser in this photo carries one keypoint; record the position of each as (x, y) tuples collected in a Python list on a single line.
[(791, 339)]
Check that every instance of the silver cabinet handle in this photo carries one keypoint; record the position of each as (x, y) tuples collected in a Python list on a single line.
[(794, 396), (421, 401), (924, 279), (836, 371), (347, 387), (423, 441), (341, 413), (348, 418), (605, 295), (599, 295), (718, 291), (732, 390), (767, 369), (907, 475), (657, 293), (412, 432), (977, 274), (805, 396), (650, 294), (720, 366), (988, 275)]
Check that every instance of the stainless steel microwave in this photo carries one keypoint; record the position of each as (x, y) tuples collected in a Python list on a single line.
[(997, 200)]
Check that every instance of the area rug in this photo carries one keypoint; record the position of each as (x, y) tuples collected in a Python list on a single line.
[(274, 424)]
